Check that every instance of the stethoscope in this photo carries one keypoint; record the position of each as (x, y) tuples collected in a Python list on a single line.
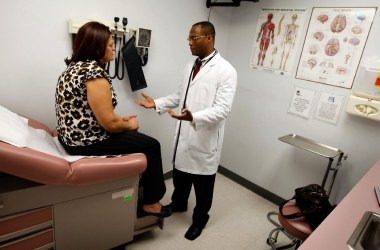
[(198, 62)]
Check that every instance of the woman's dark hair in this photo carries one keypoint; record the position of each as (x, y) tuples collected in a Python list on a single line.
[(90, 42)]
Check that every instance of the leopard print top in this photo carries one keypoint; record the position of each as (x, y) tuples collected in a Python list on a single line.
[(77, 125)]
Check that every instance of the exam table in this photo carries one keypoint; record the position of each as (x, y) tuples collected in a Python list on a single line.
[(47, 202)]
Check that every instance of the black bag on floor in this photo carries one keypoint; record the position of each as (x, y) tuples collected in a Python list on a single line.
[(313, 202)]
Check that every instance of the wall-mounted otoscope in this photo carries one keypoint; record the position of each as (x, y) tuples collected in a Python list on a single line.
[(118, 59)]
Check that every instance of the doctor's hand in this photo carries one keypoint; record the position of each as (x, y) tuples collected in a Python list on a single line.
[(185, 115), (147, 102)]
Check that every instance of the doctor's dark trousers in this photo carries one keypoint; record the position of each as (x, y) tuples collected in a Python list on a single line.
[(128, 142), (204, 189)]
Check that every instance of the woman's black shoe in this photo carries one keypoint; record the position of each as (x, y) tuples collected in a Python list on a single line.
[(166, 211)]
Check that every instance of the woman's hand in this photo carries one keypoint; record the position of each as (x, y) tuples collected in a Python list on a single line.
[(127, 118), (133, 123)]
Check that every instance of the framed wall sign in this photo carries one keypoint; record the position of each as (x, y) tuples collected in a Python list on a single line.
[(329, 107), (302, 102)]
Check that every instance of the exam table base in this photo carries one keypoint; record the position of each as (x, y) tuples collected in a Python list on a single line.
[(99, 216)]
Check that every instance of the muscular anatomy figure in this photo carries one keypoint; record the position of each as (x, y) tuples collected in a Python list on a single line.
[(266, 33)]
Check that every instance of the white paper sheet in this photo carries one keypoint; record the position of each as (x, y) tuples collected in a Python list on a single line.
[(14, 130)]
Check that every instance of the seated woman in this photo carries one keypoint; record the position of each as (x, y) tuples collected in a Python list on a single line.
[(87, 123)]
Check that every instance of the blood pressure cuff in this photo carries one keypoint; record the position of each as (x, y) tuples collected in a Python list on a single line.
[(132, 61)]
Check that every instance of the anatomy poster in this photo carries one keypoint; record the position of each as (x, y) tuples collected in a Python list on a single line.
[(334, 44), (276, 39)]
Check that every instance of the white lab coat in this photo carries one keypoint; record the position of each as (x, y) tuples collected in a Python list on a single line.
[(209, 98)]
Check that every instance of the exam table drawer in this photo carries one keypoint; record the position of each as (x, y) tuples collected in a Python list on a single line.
[(41, 241), (28, 222)]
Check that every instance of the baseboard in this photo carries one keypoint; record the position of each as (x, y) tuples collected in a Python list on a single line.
[(251, 186), (243, 182), (168, 175)]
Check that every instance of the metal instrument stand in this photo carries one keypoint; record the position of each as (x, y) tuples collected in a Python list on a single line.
[(316, 148), (319, 149)]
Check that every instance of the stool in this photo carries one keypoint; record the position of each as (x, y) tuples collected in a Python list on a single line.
[(297, 230)]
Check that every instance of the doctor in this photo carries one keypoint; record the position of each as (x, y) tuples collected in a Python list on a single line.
[(205, 98)]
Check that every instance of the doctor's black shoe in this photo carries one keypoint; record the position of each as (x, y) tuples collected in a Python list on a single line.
[(165, 212), (193, 232)]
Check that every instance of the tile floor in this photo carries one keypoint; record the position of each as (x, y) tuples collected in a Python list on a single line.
[(237, 221)]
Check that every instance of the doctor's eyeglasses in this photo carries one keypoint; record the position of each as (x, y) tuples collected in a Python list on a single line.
[(195, 38)]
